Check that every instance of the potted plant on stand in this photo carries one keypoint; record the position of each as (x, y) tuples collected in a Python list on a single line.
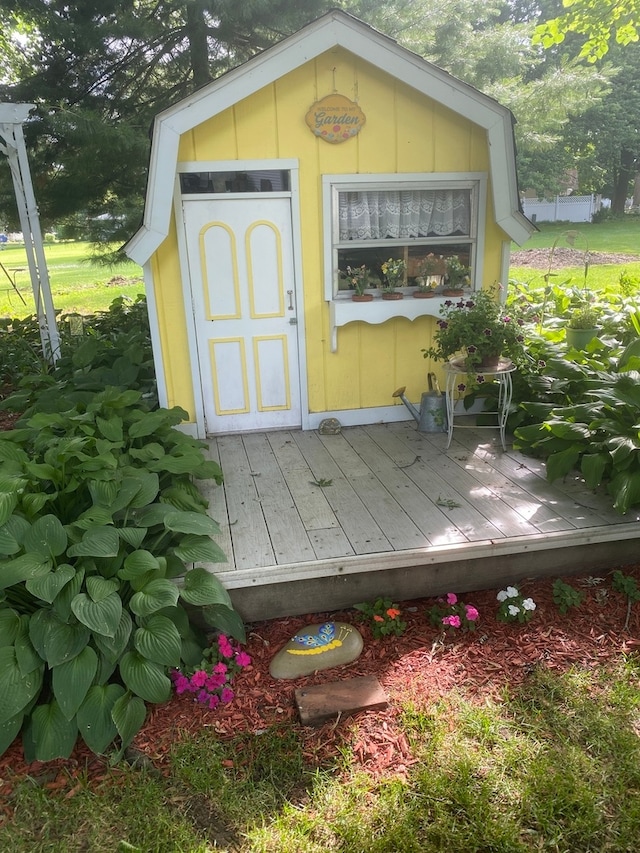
[(476, 332), (358, 279), (582, 326), (430, 275), (393, 271), (457, 277)]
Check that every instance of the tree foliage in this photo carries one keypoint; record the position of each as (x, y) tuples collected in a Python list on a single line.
[(598, 22)]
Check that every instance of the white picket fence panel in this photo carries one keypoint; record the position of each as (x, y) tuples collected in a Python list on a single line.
[(564, 208)]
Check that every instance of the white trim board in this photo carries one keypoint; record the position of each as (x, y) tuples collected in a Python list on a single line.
[(334, 29)]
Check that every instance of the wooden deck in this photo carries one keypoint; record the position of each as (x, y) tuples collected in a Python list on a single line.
[(313, 523)]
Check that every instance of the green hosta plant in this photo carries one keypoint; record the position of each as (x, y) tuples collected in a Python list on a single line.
[(100, 523)]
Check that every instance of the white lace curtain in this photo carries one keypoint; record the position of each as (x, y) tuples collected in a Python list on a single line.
[(380, 214)]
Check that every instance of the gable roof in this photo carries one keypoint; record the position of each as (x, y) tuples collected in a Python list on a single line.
[(336, 28)]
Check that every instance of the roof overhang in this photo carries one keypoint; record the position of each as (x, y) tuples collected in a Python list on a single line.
[(335, 29)]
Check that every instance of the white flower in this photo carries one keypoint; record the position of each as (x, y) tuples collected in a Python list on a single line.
[(529, 604), (512, 592), (513, 610), (502, 595)]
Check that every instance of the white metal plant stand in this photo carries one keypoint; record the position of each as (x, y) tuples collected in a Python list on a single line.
[(456, 372), (12, 145)]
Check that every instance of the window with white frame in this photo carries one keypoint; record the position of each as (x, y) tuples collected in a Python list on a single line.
[(409, 217)]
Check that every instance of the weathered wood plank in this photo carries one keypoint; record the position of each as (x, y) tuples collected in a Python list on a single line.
[(389, 469), (289, 539), (445, 485), (251, 541), (322, 702), (394, 522), (311, 503), (330, 543), (356, 521), (217, 509)]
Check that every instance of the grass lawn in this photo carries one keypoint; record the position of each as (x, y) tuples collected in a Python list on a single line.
[(77, 284), (613, 235)]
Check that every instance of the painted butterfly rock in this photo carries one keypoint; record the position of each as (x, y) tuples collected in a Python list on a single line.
[(317, 647)]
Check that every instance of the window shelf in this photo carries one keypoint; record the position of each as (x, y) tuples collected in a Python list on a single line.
[(342, 311)]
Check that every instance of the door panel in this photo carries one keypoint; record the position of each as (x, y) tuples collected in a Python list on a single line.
[(240, 257)]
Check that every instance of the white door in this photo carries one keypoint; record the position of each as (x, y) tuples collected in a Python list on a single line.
[(240, 255)]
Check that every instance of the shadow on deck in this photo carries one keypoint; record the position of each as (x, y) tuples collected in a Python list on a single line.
[(315, 523)]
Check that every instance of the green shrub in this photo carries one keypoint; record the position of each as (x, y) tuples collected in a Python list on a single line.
[(99, 523)]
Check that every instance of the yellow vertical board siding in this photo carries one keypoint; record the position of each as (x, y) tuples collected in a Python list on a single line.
[(404, 132), (172, 325)]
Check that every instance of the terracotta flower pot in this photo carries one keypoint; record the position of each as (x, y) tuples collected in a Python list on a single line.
[(452, 291), (393, 294), (362, 297), (423, 294)]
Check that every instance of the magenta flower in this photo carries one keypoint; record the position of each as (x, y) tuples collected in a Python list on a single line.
[(471, 613), (214, 701), (243, 659), (182, 684), (452, 621), (221, 668), (198, 678), (452, 598), (226, 695)]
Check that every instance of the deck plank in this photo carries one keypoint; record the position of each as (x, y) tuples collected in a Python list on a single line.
[(449, 490), (361, 530), (389, 469), (289, 538), (251, 541), (217, 509), (311, 502)]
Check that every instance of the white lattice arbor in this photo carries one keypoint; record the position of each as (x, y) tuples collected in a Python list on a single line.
[(12, 117)]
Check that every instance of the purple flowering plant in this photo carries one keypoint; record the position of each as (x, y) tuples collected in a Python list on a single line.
[(211, 680), (452, 613), (478, 327)]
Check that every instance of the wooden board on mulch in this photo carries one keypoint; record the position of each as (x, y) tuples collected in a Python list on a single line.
[(420, 667), (337, 699)]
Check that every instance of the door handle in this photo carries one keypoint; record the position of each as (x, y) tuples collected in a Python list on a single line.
[(290, 295)]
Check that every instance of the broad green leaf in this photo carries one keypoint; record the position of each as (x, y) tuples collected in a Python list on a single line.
[(33, 503), (102, 617), (179, 617), (110, 428), (202, 587), (62, 602), (99, 588), (42, 471), (625, 488), (133, 536), (148, 491), (26, 655), (53, 735), (200, 549), (62, 642), (151, 516), (187, 462), (97, 542), (46, 537), (8, 502), (559, 464), (569, 431), (22, 568), (9, 730), (144, 677), (9, 626), (113, 647), (192, 522), (16, 689), (49, 586), (148, 424), (85, 354), (159, 641), (128, 714), (154, 596), (226, 620), (137, 564), (95, 721), (95, 516), (103, 492), (72, 680), (191, 651), (12, 534)]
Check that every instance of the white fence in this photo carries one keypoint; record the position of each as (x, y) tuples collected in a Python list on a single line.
[(564, 208)]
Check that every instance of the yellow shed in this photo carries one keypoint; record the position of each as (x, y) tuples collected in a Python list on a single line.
[(336, 150)]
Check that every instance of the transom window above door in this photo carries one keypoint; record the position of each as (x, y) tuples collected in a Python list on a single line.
[(409, 217)]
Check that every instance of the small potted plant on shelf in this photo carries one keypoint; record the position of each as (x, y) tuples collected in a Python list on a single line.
[(358, 279), (582, 326), (393, 271), (457, 277), (477, 332), (430, 274)]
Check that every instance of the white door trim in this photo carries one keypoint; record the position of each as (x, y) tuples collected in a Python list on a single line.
[(296, 238)]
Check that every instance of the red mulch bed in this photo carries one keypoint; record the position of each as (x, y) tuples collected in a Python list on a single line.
[(421, 666)]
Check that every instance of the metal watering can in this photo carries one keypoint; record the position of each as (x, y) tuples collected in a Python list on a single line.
[(432, 416)]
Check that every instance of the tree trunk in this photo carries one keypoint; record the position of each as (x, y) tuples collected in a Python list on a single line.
[(196, 28), (621, 188), (636, 191)]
